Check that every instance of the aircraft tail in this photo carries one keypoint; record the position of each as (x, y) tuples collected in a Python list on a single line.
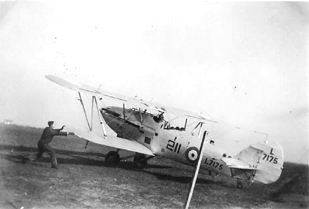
[(266, 158)]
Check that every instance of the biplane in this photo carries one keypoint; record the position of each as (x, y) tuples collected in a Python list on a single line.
[(147, 129)]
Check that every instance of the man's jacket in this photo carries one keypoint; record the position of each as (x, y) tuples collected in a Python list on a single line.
[(49, 133)]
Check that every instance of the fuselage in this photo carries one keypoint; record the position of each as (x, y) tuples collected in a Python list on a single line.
[(163, 140)]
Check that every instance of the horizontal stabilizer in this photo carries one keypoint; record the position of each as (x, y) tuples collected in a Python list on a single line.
[(111, 141), (235, 163)]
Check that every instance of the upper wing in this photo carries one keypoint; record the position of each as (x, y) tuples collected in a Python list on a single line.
[(137, 103), (76, 86), (111, 141)]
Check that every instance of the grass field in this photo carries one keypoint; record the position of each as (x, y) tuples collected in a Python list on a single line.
[(85, 181)]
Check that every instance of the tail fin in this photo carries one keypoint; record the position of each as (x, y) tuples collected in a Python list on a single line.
[(267, 158)]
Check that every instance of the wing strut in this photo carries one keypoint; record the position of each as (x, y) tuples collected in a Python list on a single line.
[(100, 118), (124, 111), (200, 124), (82, 103), (94, 102), (185, 124), (141, 116)]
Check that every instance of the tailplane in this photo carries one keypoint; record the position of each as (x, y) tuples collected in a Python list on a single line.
[(266, 158)]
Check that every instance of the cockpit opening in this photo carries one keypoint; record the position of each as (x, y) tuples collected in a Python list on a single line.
[(110, 111), (167, 126), (158, 118)]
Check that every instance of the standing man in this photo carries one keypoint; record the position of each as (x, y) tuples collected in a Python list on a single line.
[(43, 144)]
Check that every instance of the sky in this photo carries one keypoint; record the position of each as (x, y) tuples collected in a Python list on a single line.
[(242, 63)]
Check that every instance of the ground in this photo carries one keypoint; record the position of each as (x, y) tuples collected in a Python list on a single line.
[(83, 180)]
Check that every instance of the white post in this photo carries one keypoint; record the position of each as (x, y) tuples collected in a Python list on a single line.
[(197, 168)]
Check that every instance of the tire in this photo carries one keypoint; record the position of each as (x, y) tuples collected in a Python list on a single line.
[(112, 158)]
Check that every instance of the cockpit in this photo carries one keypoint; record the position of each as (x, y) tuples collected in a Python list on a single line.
[(116, 112), (167, 126)]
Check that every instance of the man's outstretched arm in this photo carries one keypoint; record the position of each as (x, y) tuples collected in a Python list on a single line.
[(59, 129)]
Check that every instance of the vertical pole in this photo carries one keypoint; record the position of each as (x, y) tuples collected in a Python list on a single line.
[(197, 168)]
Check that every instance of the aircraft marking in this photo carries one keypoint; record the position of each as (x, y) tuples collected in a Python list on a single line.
[(271, 151), (192, 154), (270, 158), (213, 163), (173, 146)]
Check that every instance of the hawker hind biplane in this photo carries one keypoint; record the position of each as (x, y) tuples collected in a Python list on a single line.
[(147, 129)]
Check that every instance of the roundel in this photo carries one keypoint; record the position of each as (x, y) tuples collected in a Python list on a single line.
[(192, 154)]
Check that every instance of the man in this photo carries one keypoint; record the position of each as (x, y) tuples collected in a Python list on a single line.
[(43, 144)]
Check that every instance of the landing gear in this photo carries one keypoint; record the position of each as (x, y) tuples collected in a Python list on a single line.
[(112, 158), (140, 160), (239, 184)]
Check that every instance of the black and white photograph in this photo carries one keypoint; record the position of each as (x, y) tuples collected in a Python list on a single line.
[(154, 104)]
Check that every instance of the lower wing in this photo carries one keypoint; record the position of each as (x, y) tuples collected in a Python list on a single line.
[(111, 141)]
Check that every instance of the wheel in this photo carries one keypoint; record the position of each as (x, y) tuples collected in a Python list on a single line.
[(140, 160), (239, 184), (112, 158)]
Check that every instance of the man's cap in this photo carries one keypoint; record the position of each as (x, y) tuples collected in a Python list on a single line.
[(50, 122)]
